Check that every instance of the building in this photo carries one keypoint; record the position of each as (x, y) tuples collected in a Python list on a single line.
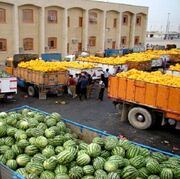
[(67, 26)]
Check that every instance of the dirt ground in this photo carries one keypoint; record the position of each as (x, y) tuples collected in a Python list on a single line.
[(100, 115)]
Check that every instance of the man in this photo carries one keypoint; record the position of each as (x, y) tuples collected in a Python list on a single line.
[(106, 76), (83, 87)]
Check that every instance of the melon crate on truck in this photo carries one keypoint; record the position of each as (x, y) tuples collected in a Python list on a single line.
[(37, 82), (145, 104)]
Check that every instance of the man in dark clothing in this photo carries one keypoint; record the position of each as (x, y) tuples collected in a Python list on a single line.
[(83, 87)]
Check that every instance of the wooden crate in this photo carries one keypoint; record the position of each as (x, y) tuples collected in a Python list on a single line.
[(144, 65), (62, 77)]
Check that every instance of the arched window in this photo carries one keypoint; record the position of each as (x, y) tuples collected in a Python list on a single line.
[(93, 17), (52, 42), (28, 43), (2, 15), (52, 16), (3, 44), (28, 15), (92, 41)]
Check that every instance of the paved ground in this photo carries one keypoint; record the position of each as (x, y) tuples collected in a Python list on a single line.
[(100, 115)]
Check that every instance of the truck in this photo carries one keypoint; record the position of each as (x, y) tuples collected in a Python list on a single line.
[(36, 83), (145, 104), (8, 86)]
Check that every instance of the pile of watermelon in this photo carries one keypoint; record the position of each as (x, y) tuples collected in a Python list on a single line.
[(42, 147)]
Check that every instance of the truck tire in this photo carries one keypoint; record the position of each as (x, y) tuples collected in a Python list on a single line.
[(31, 91), (140, 118)]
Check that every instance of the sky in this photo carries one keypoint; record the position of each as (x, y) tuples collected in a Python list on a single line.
[(158, 13)]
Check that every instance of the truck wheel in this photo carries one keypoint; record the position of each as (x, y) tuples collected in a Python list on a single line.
[(140, 118), (31, 91)]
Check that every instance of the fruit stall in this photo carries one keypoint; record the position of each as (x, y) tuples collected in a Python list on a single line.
[(174, 69), (36, 144)]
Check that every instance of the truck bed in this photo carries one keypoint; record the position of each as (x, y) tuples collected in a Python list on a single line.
[(164, 98)]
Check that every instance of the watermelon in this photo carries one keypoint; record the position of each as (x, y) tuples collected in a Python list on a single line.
[(48, 152), (69, 143), (66, 156), (56, 141), (137, 162), (50, 163), (105, 154), (32, 140), (56, 116), (61, 169), (42, 126), (129, 172), (4, 148), (23, 143), (47, 175), (143, 172), (76, 172), (80, 152), (111, 142), (59, 149), (50, 122), (94, 149), (153, 167), (166, 173), (83, 159), (23, 125), (3, 159), (34, 168), (83, 146), (61, 126), (110, 166), (113, 175), (98, 140), (22, 171), (50, 133), (118, 159), (11, 131), (9, 154), (41, 142), (11, 121), (17, 150), (133, 152), (38, 158), (159, 157), (88, 170), (153, 177), (36, 132), (32, 176), (3, 129), (118, 151), (98, 163), (22, 159), (31, 150), (88, 177), (12, 164), (9, 141), (62, 176), (20, 134)]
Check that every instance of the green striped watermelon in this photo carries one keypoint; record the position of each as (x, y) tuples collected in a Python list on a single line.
[(83, 159), (94, 149), (22, 159), (76, 172), (98, 163), (129, 172), (88, 170), (166, 173)]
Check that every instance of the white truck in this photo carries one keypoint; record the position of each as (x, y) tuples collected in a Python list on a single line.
[(8, 86)]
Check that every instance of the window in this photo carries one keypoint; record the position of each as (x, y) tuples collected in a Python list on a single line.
[(28, 44), (28, 15), (92, 41), (138, 20), (93, 18), (52, 16), (115, 23), (68, 21), (80, 21), (79, 46), (125, 19), (136, 40), (113, 44), (123, 40), (2, 15), (52, 42), (3, 44)]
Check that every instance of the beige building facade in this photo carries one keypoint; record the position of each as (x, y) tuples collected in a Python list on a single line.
[(61, 26)]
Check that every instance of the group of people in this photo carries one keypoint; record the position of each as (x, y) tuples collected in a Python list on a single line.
[(81, 85)]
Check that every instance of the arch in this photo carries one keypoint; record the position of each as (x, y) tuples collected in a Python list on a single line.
[(22, 5), (117, 12), (54, 6), (96, 9), (80, 8), (128, 12)]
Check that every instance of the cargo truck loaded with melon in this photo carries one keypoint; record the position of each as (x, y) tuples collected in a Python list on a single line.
[(145, 104), (36, 82)]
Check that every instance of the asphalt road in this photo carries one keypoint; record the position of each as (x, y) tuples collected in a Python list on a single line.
[(100, 115)]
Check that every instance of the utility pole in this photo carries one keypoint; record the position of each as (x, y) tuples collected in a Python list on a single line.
[(168, 25)]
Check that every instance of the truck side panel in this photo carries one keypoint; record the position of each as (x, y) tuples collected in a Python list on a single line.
[(157, 96)]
